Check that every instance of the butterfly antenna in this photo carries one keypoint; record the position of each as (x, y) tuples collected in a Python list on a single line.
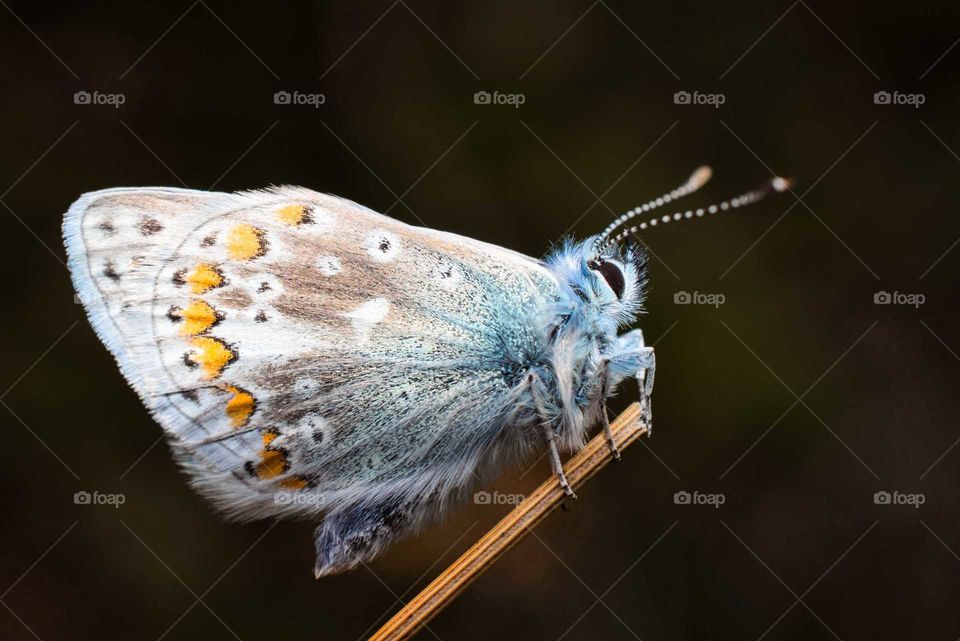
[(773, 185), (696, 180)]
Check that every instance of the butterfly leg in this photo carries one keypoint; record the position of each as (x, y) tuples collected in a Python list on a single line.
[(645, 381), (633, 358), (535, 386), (555, 463), (607, 432)]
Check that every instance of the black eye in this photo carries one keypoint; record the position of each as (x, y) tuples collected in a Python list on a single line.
[(612, 274)]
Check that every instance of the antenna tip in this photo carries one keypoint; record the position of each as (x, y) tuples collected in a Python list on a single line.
[(781, 184), (700, 177)]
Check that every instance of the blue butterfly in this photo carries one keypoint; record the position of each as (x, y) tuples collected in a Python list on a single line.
[(307, 356)]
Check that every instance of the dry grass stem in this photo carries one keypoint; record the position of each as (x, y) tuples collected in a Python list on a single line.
[(505, 534)]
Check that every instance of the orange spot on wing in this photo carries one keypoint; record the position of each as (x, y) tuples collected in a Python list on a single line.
[(293, 483), (240, 406), (272, 464), (293, 214), (204, 277), (212, 355), (198, 317), (245, 242)]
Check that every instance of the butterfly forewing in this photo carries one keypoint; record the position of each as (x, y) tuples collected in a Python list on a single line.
[(297, 343)]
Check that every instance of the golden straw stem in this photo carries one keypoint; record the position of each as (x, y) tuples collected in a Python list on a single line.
[(505, 534)]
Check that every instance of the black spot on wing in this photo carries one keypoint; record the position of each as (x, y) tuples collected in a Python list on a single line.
[(150, 226), (110, 271)]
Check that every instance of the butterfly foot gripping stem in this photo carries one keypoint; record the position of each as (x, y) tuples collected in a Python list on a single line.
[(614, 450), (566, 487), (645, 380), (555, 463), (551, 438)]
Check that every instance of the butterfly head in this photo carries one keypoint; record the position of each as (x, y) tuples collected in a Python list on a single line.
[(611, 279), (620, 272)]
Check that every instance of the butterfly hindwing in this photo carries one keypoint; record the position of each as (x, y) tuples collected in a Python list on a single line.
[(305, 354)]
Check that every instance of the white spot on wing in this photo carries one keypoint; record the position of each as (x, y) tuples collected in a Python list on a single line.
[(447, 276), (382, 245), (306, 387), (329, 265), (318, 430), (366, 316), (322, 222)]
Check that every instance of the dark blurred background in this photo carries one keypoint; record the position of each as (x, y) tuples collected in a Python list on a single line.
[(794, 401)]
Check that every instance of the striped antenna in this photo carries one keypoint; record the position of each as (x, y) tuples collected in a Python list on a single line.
[(776, 184), (696, 180)]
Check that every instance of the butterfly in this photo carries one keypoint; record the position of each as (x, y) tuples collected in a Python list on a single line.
[(307, 356)]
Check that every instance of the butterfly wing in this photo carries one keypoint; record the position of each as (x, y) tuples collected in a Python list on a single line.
[(305, 354)]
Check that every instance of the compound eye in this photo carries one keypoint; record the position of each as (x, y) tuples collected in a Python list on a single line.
[(612, 274)]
